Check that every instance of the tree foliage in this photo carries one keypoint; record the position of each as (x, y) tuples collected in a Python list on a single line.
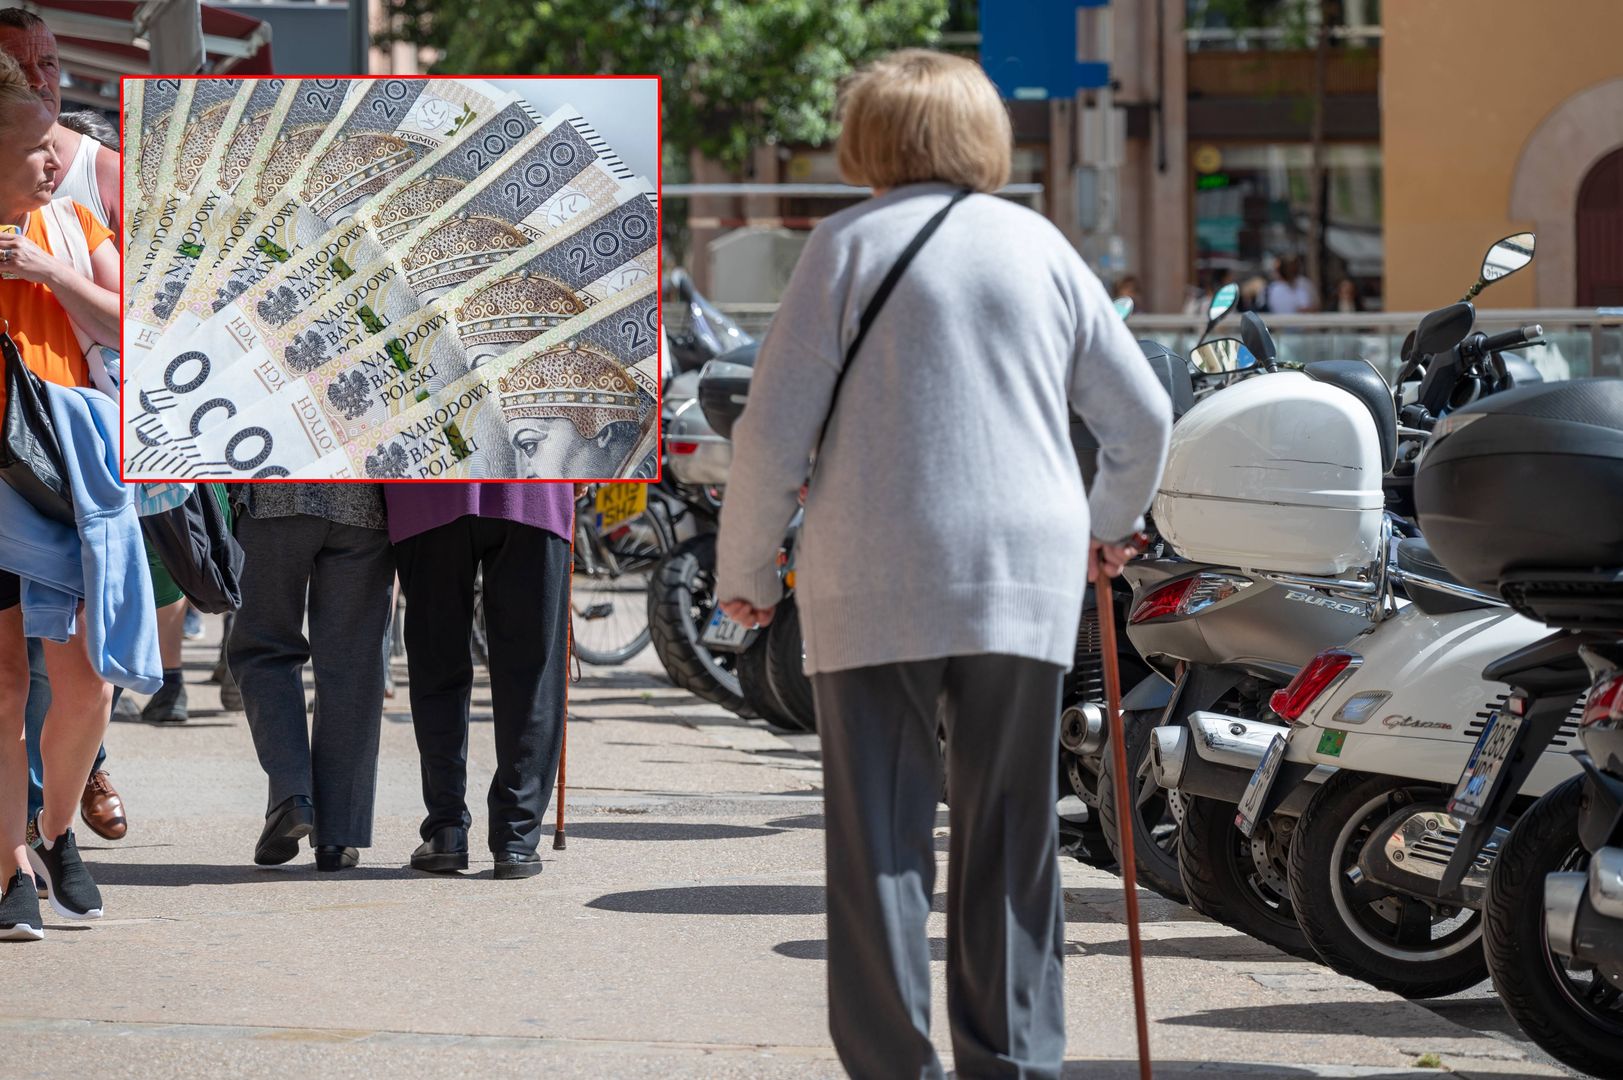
[(736, 73)]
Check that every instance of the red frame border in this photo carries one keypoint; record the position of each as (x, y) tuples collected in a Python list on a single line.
[(659, 292)]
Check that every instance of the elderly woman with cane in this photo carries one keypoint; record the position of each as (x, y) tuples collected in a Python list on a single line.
[(928, 350)]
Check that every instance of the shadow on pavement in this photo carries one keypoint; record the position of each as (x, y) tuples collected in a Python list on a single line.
[(1386, 1019), (1206, 1070), (172, 875), (665, 830), (718, 900)]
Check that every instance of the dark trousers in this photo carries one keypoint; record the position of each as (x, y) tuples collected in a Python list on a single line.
[(526, 601), (1005, 917), (340, 576)]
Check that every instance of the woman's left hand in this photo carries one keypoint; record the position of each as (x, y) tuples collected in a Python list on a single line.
[(20, 257), (747, 614)]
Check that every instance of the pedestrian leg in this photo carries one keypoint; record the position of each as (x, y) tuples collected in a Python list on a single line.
[(1005, 913), (881, 780), (14, 699), (350, 588), (527, 612), (436, 574), (267, 649)]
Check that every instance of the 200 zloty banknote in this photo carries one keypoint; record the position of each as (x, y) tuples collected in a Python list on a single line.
[(543, 190)]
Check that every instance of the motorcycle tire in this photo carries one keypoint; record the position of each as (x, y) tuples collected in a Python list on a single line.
[(755, 686), (1526, 974), (1223, 882), (1155, 813), (681, 598), (786, 666), (1351, 926)]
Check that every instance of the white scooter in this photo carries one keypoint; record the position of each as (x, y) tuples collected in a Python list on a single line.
[(1396, 713)]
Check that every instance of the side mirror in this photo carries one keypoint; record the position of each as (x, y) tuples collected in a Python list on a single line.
[(1123, 306), (1444, 328), (1503, 259), (1221, 356), (1222, 304), (1254, 333)]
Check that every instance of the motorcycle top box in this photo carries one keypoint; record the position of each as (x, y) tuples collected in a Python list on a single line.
[(1522, 492), (1280, 472)]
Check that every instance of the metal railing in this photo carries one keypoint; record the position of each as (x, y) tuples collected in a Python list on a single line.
[(1580, 342)]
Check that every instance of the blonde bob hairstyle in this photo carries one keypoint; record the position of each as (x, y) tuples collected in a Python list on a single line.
[(917, 115)]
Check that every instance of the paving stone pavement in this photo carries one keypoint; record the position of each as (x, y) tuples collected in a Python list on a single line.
[(680, 933)]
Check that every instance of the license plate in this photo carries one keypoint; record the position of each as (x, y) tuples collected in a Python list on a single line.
[(619, 503), (1493, 748), (1257, 788), (726, 635)]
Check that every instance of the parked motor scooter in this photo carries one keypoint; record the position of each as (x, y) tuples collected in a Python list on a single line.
[(1525, 492), (1244, 632)]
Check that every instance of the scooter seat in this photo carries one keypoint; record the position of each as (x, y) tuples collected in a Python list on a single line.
[(1360, 379), (1415, 557)]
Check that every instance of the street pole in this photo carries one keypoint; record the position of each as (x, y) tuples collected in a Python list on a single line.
[(360, 36)]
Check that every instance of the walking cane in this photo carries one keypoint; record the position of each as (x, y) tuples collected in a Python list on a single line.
[(1104, 605), (558, 838)]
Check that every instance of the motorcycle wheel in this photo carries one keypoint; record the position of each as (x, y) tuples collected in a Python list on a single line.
[(681, 599), (786, 667), (1155, 812), (1240, 882), (754, 686), (1388, 939), (1576, 1015)]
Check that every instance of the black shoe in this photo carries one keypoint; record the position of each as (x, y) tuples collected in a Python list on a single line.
[(443, 853), (68, 885), (285, 826), (516, 864), (19, 911), (168, 705), (331, 858)]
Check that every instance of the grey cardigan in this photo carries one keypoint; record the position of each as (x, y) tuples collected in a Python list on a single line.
[(947, 516)]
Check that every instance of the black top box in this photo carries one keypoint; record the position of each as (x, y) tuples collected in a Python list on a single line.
[(1522, 493)]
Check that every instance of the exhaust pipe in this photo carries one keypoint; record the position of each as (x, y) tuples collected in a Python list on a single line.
[(1082, 729), (1169, 756), (1583, 913), (1214, 756)]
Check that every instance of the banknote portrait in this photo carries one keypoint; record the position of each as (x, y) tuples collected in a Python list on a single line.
[(571, 411), (391, 277)]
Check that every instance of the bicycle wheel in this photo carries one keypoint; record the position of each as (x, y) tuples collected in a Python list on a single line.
[(608, 598)]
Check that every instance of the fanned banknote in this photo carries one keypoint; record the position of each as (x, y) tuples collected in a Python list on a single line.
[(203, 114), (604, 411), (546, 188), (345, 267)]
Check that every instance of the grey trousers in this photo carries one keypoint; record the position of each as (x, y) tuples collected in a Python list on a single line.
[(345, 574), (1005, 916)]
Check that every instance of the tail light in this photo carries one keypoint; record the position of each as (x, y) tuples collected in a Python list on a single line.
[(1605, 705), (1186, 596), (684, 447), (1322, 672)]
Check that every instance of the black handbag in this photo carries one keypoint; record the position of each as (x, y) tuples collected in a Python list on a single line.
[(31, 458), (194, 543)]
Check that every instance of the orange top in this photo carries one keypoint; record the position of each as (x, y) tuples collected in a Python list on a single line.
[(39, 324)]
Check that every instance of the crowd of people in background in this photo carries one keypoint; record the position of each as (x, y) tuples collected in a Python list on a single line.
[(86, 613), (1285, 290)]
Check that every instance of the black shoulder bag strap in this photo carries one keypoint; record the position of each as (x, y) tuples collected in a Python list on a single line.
[(880, 295)]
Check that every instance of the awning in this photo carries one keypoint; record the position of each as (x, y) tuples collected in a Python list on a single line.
[(101, 40)]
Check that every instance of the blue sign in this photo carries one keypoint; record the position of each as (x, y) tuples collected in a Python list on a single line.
[(1028, 48)]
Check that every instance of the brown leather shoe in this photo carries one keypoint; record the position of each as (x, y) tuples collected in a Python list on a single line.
[(102, 809)]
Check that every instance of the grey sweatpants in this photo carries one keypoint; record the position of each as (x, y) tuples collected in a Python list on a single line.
[(345, 574), (1005, 917)]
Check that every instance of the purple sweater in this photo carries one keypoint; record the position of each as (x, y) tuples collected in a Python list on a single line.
[(417, 508)]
